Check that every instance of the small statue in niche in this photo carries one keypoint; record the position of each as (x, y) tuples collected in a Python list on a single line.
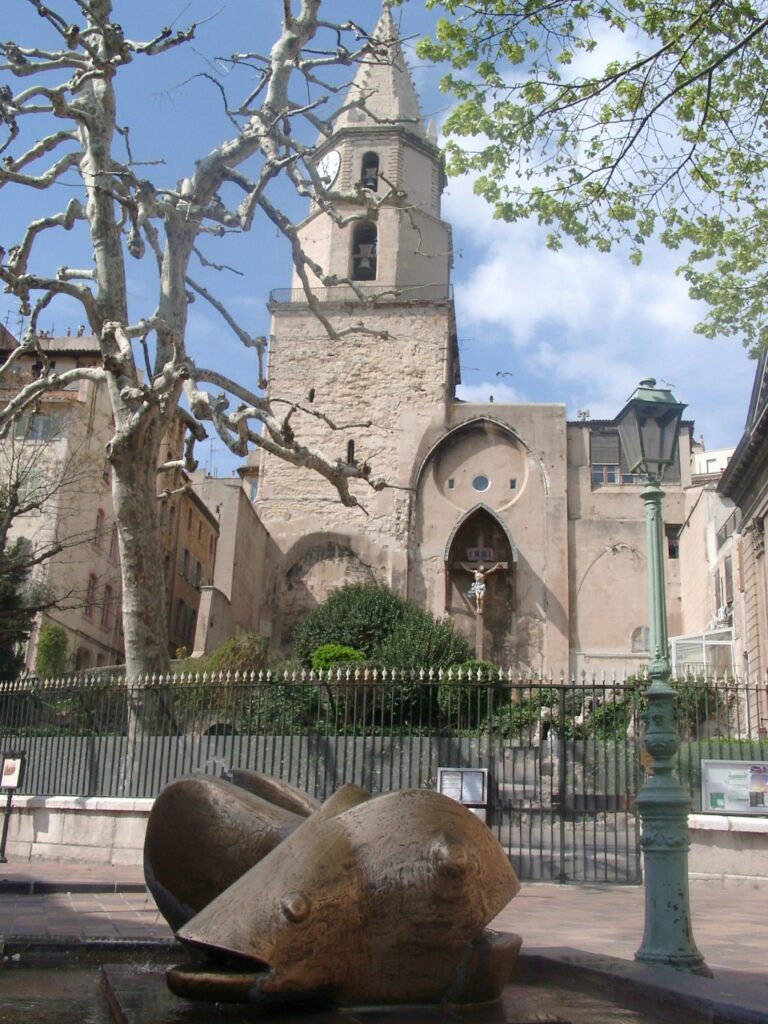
[(478, 588)]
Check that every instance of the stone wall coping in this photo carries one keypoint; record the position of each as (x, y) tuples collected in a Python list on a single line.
[(125, 805), (137, 805), (728, 823)]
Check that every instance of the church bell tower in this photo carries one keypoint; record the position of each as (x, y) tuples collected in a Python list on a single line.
[(386, 380)]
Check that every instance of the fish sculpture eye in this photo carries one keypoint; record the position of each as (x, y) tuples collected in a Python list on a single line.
[(295, 907)]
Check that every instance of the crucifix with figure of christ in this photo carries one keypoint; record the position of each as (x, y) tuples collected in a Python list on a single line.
[(477, 557)]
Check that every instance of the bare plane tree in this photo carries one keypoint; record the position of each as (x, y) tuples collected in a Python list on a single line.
[(60, 120)]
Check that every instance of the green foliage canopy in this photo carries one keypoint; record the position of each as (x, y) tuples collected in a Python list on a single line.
[(621, 121), (359, 615), (388, 629), (17, 611), (328, 656), (52, 651)]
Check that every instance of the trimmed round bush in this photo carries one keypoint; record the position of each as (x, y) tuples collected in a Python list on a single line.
[(328, 656), (420, 641), (359, 615)]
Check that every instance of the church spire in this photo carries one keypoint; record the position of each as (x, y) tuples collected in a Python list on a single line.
[(384, 83)]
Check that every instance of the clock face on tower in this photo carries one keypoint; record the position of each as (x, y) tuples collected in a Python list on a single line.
[(328, 167)]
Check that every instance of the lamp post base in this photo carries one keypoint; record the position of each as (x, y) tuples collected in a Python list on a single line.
[(664, 805), (668, 937)]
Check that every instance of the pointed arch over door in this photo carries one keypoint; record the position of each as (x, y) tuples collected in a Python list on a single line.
[(481, 506)]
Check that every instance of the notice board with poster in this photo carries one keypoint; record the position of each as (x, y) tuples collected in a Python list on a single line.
[(734, 787)]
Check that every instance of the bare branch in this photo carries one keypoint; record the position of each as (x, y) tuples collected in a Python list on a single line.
[(42, 180), (250, 341)]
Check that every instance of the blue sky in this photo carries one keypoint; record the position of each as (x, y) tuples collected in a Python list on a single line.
[(576, 327)]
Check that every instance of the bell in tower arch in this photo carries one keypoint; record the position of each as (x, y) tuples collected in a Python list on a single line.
[(364, 244), (369, 175)]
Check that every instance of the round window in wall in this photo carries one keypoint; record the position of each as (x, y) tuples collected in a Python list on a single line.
[(481, 483)]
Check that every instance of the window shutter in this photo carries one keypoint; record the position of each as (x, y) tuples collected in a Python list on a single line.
[(604, 449)]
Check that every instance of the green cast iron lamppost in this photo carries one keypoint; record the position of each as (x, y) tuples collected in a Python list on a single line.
[(648, 427)]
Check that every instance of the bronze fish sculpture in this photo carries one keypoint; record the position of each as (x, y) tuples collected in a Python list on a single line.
[(369, 900)]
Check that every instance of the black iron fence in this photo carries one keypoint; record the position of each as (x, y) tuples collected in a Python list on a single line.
[(561, 754)]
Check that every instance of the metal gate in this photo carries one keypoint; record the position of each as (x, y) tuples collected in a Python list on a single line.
[(561, 756), (563, 786)]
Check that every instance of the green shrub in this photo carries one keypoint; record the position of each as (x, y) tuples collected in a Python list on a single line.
[(463, 694), (329, 656), (420, 641), (610, 721), (359, 615), (244, 653), (279, 708), (52, 651)]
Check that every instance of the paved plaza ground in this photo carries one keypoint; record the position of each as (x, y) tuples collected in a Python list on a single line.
[(44, 902)]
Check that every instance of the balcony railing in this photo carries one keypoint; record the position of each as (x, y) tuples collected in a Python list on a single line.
[(729, 527), (375, 295)]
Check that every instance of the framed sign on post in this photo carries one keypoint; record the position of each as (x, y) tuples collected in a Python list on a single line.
[(734, 787), (11, 769), (11, 772)]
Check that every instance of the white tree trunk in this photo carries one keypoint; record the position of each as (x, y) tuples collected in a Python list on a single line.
[(134, 493)]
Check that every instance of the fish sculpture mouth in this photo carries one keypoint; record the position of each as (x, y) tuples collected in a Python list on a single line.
[(222, 975)]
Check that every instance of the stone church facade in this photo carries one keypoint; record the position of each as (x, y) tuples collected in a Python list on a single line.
[(544, 502)]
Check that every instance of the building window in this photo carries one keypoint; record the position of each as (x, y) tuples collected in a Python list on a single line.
[(369, 174), (364, 248), (98, 530), (183, 563), (640, 639), (253, 493), (481, 483), (39, 427), (451, 484), (180, 617), (728, 573), (107, 607), (672, 534), (605, 473), (90, 596), (114, 547), (607, 465), (513, 485), (351, 452)]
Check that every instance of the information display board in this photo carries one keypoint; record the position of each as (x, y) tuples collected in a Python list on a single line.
[(11, 768), (467, 785), (734, 787)]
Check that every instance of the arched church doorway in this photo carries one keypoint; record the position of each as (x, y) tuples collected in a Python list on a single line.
[(480, 581)]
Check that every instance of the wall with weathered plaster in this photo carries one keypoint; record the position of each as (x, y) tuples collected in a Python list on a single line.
[(383, 394), (608, 562), (519, 518)]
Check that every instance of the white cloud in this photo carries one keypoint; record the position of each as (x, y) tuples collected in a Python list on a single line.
[(582, 327)]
